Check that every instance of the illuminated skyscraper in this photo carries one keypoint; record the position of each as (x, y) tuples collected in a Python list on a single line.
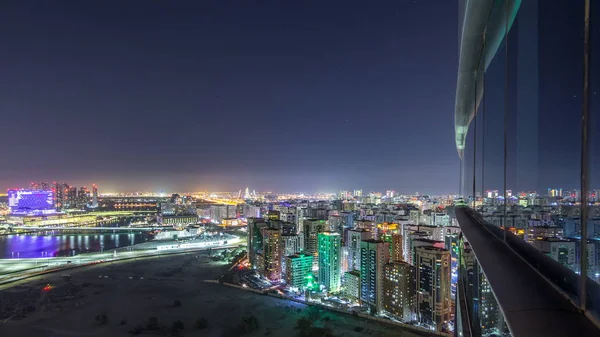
[(94, 196), (351, 285), (409, 251), (353, 239), (71, 197), (397, 252), (291, 244), (273, 215), (255, 238), (83, 197), (311, 229), (330, 245), (433, 286), (272, 253), (298, 268), (374, 254), (399, 289), (61, 194)]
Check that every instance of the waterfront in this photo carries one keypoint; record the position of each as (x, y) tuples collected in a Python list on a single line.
[(55, 244)]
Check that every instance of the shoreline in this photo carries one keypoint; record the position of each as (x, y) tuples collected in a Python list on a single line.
[(6, 284)]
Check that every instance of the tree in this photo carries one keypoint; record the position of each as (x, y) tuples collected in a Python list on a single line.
[(102, 318), (304, 324), (321, 332), (152, 323), (201, 323), (248, 324), (177, 327)]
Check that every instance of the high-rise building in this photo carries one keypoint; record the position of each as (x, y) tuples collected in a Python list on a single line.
[(374, 254), (397, 252), (330, 245), (298, 268), (272, 253), (399, 289), (440, 220), (273, 215), (301, 215), (61, 195), (334, 223), (561, 250), (291, 245), (83, 197), (368, 225), (346, 219), (255, 238), (71, 197), (433, 286), (344, 195), (94, 196), (312, 228), (353, 239), (409, 237), (351, 285)]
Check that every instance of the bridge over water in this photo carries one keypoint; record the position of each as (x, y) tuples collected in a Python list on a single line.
[(84, 228)]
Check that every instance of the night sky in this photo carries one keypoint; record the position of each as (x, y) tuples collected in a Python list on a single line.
[(307, 96)]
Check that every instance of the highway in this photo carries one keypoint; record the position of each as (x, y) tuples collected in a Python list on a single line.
[(12, 270), (52, 228)]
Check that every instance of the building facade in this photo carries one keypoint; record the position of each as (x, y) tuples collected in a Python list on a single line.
[(298, 268), (330, 245), (399, 290), (351, 285), (433, 286), (374, 254), (272, 252)]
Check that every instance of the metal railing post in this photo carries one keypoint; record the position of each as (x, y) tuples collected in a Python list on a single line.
[(585, 115)]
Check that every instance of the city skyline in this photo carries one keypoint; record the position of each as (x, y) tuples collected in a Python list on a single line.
[(198, 95)]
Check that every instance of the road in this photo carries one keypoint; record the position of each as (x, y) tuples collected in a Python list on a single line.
[(17, 269)]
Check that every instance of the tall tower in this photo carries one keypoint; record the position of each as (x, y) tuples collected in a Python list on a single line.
[(354, 237), (399, 290), (330, 245), (272, 249), (94, 196), (255, 238), (374, 254), (433, 286), (312, 227)]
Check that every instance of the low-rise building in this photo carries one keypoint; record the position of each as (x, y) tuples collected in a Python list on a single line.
[(351, 285)]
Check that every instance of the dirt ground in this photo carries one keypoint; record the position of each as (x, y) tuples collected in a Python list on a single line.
[(146, 297)]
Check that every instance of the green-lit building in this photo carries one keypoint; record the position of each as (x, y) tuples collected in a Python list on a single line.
[(330, 247), (298, 269)]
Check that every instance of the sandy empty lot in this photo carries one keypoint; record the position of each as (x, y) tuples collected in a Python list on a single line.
[(114, 299)]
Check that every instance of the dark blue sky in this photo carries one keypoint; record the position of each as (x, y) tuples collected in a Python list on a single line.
[(285, 96)]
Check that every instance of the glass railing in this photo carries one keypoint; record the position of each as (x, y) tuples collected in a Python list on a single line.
[(531, 157)]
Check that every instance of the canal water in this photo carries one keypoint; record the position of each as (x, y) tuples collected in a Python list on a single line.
[(50, 244)]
